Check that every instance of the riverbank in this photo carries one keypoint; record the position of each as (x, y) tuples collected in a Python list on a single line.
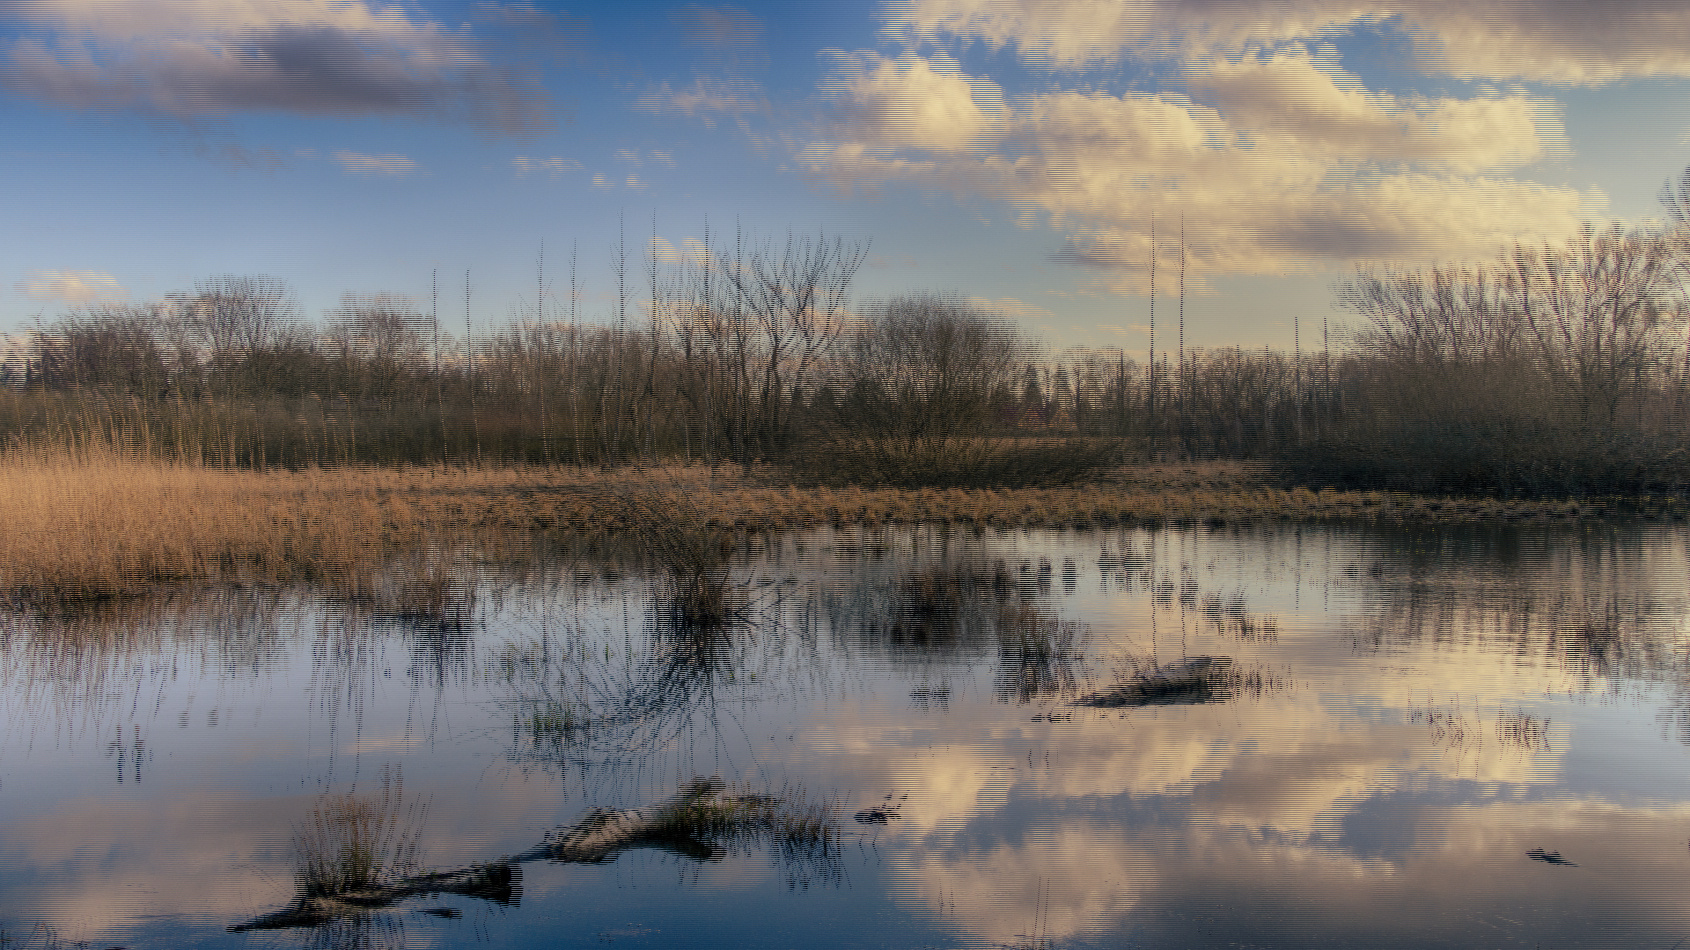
[(81, 530)]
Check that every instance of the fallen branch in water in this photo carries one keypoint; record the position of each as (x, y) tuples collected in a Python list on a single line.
[(692, 823), (1201, 679)]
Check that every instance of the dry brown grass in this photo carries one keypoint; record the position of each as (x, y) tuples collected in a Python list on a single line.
[(102, 525)]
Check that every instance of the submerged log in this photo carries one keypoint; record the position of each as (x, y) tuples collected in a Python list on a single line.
[(1200, 679), (598, 836), (499, 882)]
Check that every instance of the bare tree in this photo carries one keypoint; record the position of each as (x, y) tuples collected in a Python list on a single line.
[(233, 316), (1593, 318), (924, 369), (1602, 312), (754, 329)]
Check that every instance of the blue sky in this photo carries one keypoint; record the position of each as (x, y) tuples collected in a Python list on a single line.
[(1011, 151)]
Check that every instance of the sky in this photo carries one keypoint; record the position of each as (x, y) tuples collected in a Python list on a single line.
[(1022, 154)]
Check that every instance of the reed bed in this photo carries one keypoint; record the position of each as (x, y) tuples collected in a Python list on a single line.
[(96, 526)]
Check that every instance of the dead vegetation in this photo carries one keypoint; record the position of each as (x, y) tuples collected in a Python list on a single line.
[(356, 857), (100, 524)]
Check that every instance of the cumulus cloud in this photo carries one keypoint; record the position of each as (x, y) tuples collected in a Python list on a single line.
[(1290, 95), (389, 165), (1276, 158), (913, 101), (71, 287), (1562, 41), (193, 60)]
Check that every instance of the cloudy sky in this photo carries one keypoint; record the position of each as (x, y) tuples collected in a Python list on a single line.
[(1018, 152)]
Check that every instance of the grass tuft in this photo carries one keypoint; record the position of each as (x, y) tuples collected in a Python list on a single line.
[(349, 844)]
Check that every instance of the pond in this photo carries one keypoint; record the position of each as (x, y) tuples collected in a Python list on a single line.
[(1186, 737)]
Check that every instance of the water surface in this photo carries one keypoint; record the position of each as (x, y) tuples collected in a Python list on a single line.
[(1458, 738)]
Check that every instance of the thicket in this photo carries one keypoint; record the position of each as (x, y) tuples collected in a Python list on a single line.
[(1555, 371)]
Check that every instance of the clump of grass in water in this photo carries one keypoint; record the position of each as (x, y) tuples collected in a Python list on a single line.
[(350, 844), (693, 553), (800, 831), (431, 588), (1038, 654), (550, 726), (941, 592)]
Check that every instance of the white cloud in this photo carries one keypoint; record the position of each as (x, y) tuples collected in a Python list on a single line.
[(553, 166), (1289, 94), (1277, 160), (390, 165), (1561, 41), (71, 287), (913, 102)]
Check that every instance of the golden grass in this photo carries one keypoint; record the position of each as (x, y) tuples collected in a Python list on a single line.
[(98, 526), (349, 843)]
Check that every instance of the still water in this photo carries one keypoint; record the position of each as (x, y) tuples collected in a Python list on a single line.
[(1461, 739)]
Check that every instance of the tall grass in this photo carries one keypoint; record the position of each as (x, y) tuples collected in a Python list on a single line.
[(349, 844)]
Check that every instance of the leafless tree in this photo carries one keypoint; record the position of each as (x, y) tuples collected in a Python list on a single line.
[(232, 316), (925, 368), (755, 329)]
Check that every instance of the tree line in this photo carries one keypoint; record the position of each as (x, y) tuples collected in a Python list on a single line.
[(1561, 369)]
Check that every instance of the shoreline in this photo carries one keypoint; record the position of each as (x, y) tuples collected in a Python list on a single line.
[(100, 529)]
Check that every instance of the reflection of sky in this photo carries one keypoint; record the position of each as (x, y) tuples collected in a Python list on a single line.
[(1426, 711)]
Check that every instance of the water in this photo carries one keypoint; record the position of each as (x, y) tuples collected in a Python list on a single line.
[(1463, 739)]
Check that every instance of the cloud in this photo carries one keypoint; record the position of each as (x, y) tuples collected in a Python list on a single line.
[(1290, 94), (718, 27), (553, 166), (912, 101), (193, 60), (1277, 161), (390, 165), (533, 35), (1560, 41), (71, 287), (706, 99), (1011, 307)]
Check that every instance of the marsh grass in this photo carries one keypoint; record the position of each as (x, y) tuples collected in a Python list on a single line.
[(958, 463), (799, 830), (1039, 654), (349, 844), (429, 589), (942, 592), (101, 524), (691, 551)]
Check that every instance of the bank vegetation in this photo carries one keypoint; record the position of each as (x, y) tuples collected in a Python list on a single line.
[(221, 433)]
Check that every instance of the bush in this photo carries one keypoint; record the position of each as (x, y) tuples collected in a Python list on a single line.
[(1504, 457)]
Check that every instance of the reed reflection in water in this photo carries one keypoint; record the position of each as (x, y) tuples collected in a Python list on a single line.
[(1184, 737)]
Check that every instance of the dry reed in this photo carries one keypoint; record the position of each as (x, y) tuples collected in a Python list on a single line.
[(101, 525), (349, 844)]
